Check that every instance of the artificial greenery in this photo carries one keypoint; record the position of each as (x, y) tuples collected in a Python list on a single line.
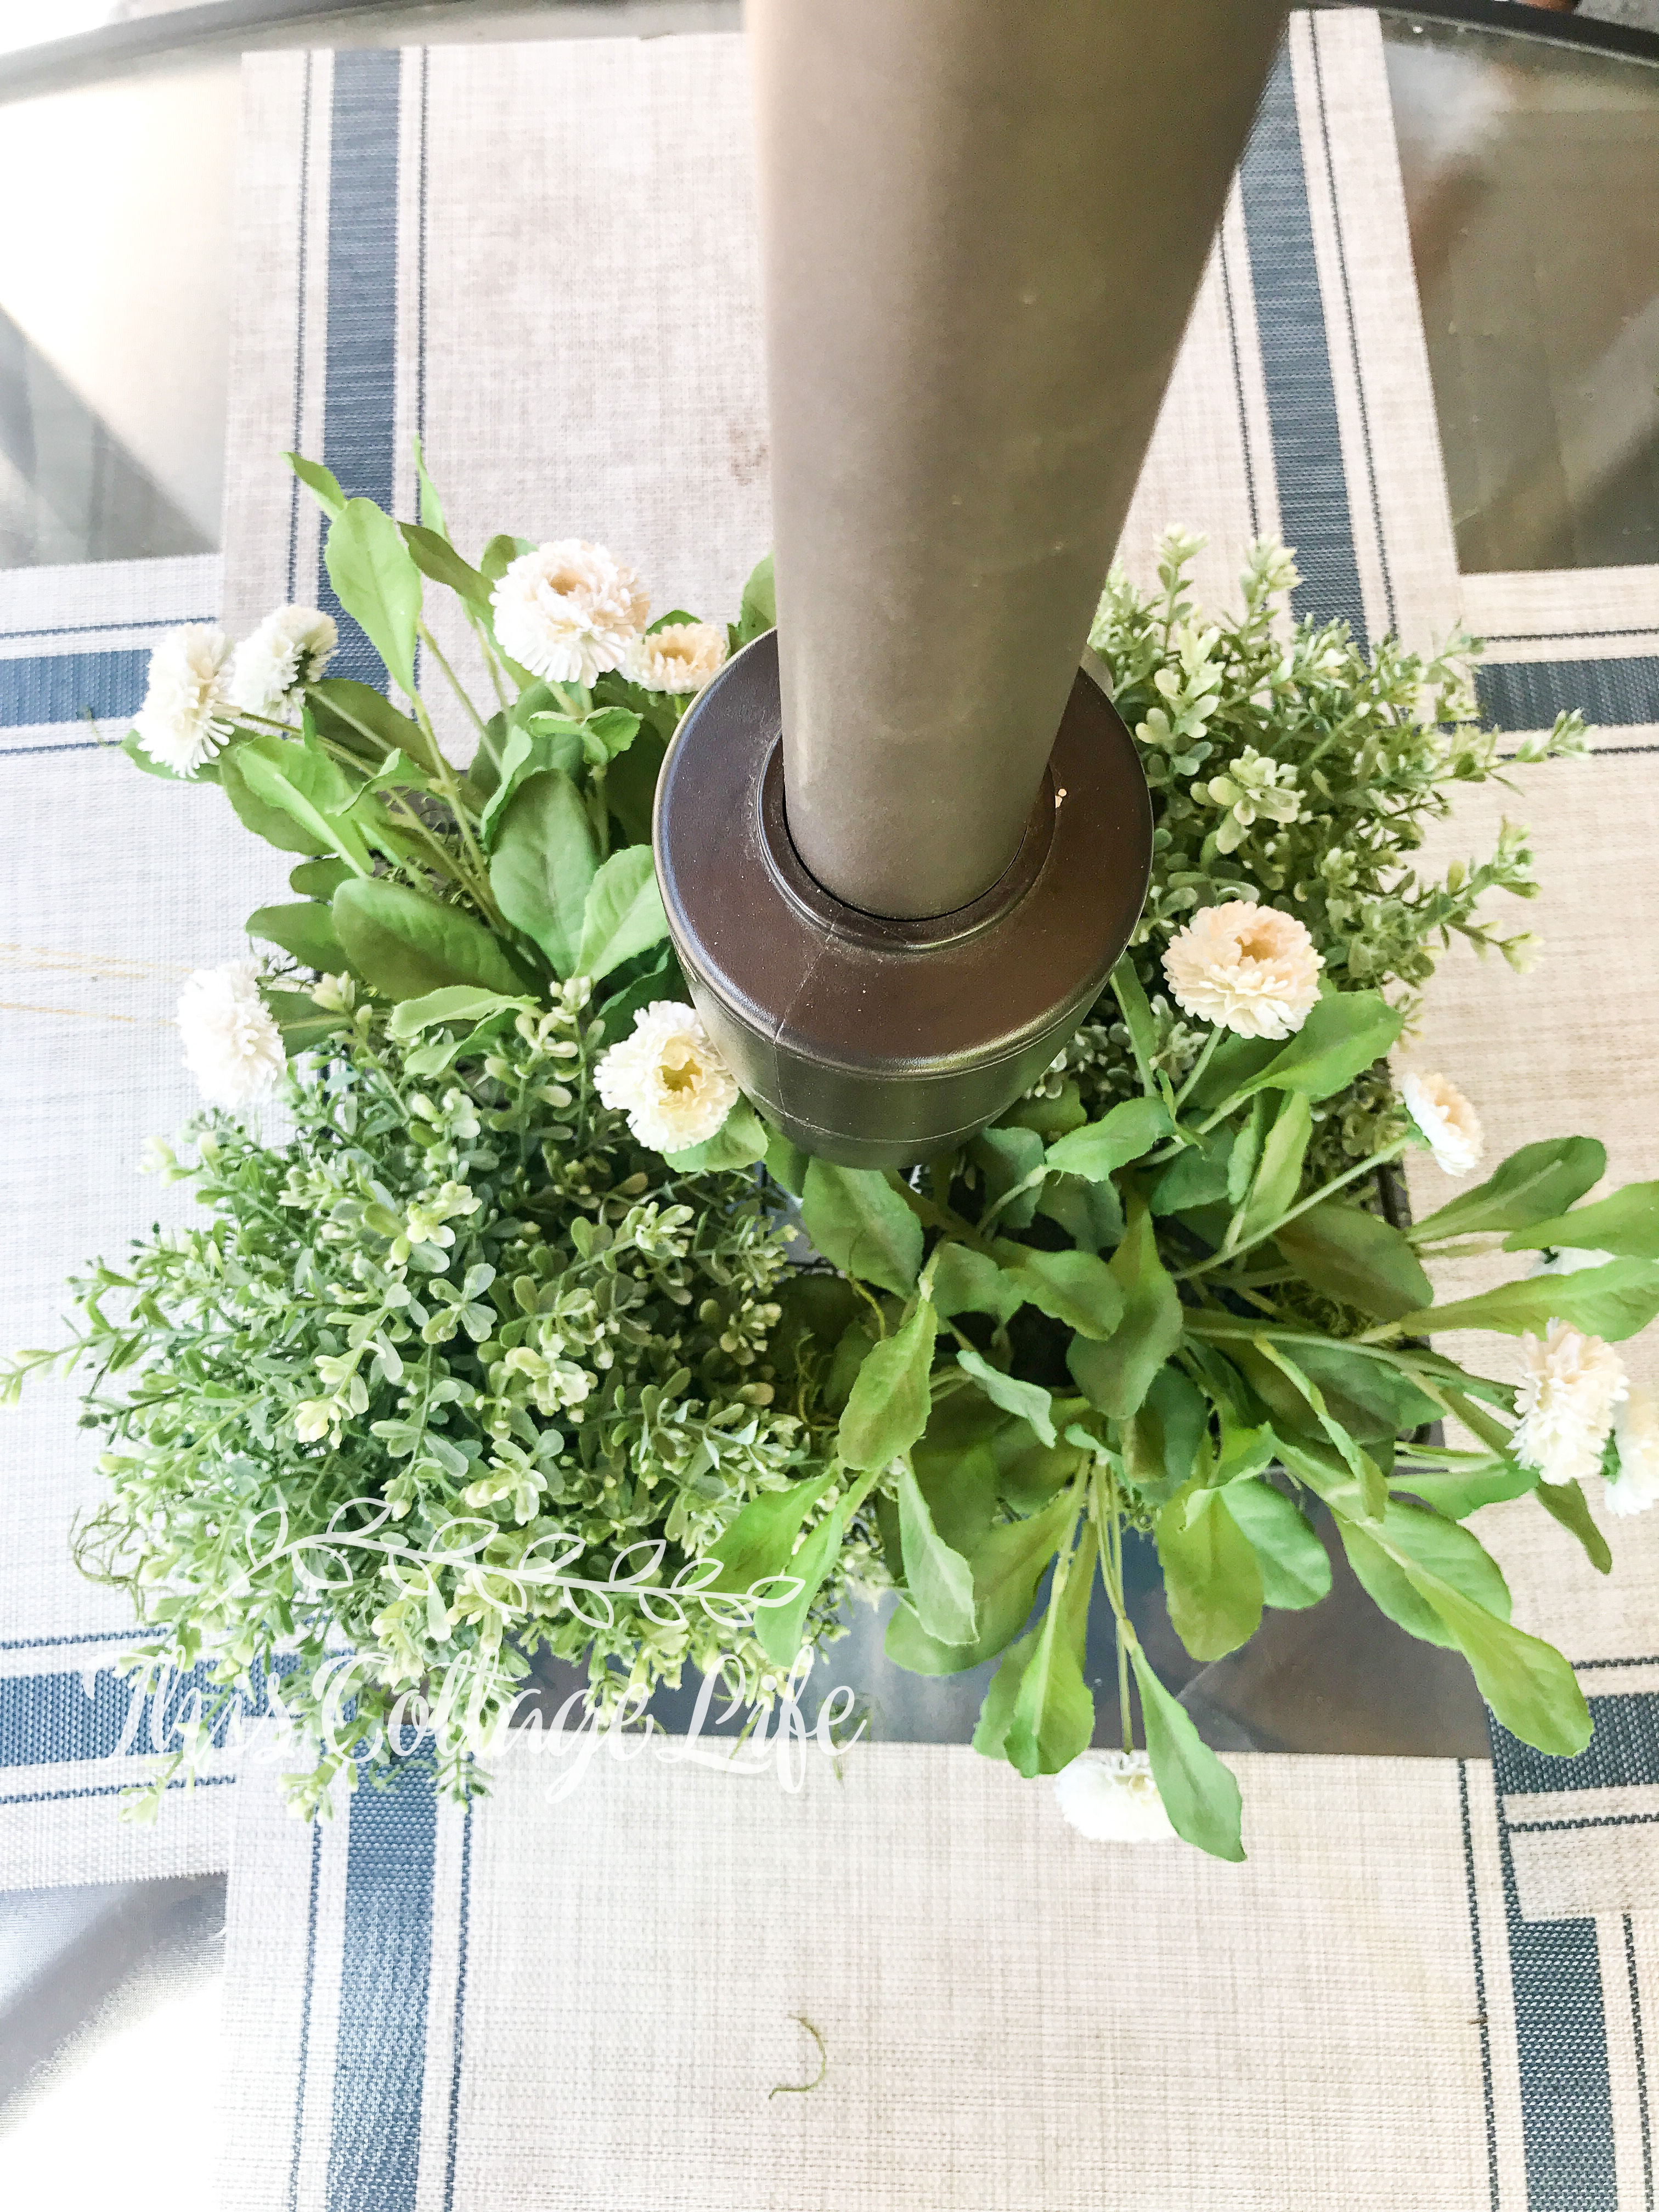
[(460, 1368)]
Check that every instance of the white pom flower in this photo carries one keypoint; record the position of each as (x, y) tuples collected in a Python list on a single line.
[(186, 714), (668, 1079), (569, 610), (679, 656), (290, 649), (1636, 1432), (232, 1045), (1110, 1796), (1248, 968), (1446, 1118), (1572, 1385)]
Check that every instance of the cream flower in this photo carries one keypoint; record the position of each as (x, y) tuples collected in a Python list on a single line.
[(1110, 1796), (1636, 1432), (290, 649), (231, 1046), (1449, 1121), (1572, 1385), (668, 1079), (186, 714), (679, 657), (1248, 968), (568, 610)]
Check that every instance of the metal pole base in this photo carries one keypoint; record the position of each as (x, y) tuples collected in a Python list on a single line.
[(872, 1042)]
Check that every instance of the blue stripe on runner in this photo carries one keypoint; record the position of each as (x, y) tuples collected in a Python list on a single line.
[(1623, 1752), (305, 2012), (386, 1965), (458, 2038), (60, 687), (1296, 361), (47, 1720), (1529, 694), (360, 382)]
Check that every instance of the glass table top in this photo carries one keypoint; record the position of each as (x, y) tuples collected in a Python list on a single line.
[(1531, 170)]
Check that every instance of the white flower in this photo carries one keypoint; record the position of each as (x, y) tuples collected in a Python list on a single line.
[(231, 1046), (186, 714), (1636, 1432), (668, 1079), (1449, 1121), (568, 610), (1249, 968), (679, 656), (290, 649), (1566, 1401), (1110, 1795)]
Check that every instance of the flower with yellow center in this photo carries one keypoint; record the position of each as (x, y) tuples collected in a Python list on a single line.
[(1247, 968), (668, 1079)]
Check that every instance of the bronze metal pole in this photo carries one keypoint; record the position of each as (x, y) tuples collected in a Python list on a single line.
[(983, 224)]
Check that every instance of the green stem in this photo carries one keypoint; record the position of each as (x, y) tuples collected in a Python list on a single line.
[(1200, 1063), (479, 886), (1110, 1519), (1365, 1167), (939, 1217), (455, 684), (486, 649), (1032, 1182)]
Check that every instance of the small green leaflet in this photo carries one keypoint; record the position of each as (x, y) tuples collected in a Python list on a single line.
[(890, 1402), (759, 1544), (1075, 1288), (624, 915), (1343, 1035), (940, 1581), (1100, 1148), (1028, 1399), (861, 1225), (322, 483), (781, 1628), (455, 1002)]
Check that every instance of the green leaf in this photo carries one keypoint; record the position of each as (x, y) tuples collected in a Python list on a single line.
[(364, 721), (607, 734), (1006, 1158), (1245, 1157), (1357, 1258), (1028, 1399), (1372, 1400), (1296, 1570), (404, 945), (502, 551), (1244, 1451), (1457, 1496), (630, 788), (1527, 1684), (133, 746), (759, 1543), (1565, 1502), (1091, 1213), (1099, 1148), (1053, 1714), (1116, 1374), (1531, 1185), (1614, 1302), (454, 1003), (1236, 1061), (322, 483), (1131, 997), (890, 1402), (1211, 1576), (663, 980), (1626, 1225), (939, 1581), (293, 779), (544, 862), (276, 824), (1364, 1468), (435, 556), (1200, 1794), (966, 1281), (1279, 1173), (306, 931), (1074, 1288), (786, 1164), (319, 879), (780, 1629), (371, 570), (1165, 1437), (1345, 1033), (1196, 1177), (861, 1225), (990, 1735), (624, 915), (1007, 1568), (304, 1024), (1411, 1537), (738, 1142), (758, 611)]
